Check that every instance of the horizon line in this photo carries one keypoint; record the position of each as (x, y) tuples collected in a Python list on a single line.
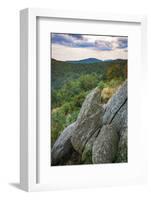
[(88, 58)]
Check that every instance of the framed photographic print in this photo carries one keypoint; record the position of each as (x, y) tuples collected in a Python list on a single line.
[(81, 123)]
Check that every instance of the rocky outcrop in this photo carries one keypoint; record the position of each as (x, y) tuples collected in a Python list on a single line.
[(62, 149), (105, 146), (88, 121), (115, 104), (122, 147), (111, 143), (99, 134), (87, 152)]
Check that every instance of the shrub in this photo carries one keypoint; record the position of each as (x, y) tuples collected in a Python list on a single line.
[(88, 82), (101, 85), (78, 100), (57, 125)]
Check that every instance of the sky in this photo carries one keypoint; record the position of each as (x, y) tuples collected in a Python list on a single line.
[(67, 47)]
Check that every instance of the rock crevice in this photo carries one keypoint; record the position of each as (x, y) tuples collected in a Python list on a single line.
[(99, 134)]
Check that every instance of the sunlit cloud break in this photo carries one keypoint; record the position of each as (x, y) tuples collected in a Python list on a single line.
[(101, 47)]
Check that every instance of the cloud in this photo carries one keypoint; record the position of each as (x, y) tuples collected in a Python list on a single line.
[(122, 42), (64, 53), (62, 39), (71, 40), (76, 36), (78, 46), (104, 43)]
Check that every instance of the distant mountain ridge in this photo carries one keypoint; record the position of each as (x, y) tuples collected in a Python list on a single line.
[(87, 60), (91, 61)]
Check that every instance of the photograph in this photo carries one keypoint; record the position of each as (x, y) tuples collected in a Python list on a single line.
[(89, 99)]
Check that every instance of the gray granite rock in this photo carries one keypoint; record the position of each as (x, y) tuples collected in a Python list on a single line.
[(99, 134), (89, 120), (120, 119), (84, 131), (122, 153), (105, 146), (87, 152), (90, 105), (62, 148), (115, 103)]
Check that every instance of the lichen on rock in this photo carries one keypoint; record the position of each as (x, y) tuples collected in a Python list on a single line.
[(105, 146), (122, 154), (87, 152), (88, 121), (62, 149)]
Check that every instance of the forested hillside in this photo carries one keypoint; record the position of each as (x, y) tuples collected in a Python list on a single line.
[(70, 84)]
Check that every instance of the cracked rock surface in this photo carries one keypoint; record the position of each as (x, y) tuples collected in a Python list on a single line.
[(99, 134), (105, 146), (62, 149)]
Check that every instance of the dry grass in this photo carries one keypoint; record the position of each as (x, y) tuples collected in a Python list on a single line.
[(107, 93)]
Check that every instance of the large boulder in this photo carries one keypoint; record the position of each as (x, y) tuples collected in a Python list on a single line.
[(99, 134), (111, 143), (90, 105), (88, 121), (122, 147), (62, 148), (115, 103), (105, 146), (87, 152), (120, 119)]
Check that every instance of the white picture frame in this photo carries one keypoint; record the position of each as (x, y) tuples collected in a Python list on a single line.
[(29, 148)]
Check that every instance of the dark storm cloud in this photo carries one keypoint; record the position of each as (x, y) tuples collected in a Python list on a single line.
[(71, 40), (77, 36), (81, 41), (122, 43), (61, 39)]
